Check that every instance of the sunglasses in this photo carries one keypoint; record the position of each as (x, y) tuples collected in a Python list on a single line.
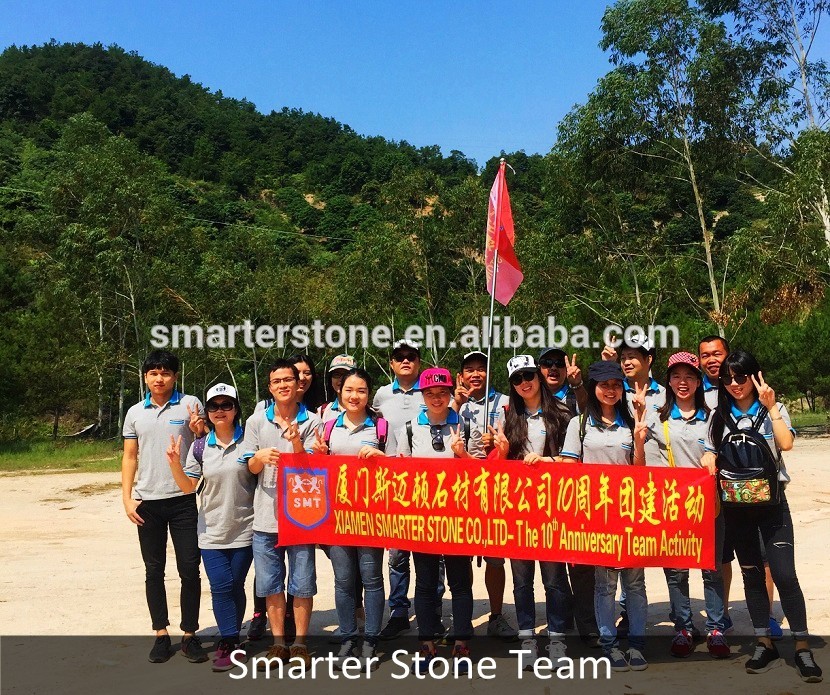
[(405, 357), (518, 378), (437, 437), (224, 406), (738, 379), (547, 363)]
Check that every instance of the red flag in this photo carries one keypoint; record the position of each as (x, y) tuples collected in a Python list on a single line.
[(500, 235)]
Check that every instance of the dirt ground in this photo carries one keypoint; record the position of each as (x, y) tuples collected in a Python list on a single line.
[(70, 566)]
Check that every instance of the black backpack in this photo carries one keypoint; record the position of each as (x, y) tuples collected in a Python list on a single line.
[(747, 468)]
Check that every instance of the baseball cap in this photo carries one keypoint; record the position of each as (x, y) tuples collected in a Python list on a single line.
[(639, 342), (221, 390), (475, 354), (342, 362), (605, 370), (404, 345), (435, 376), (548, 350), (686, 358), (520, 363)]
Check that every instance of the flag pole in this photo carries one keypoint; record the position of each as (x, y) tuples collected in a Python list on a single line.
[(497, 222)]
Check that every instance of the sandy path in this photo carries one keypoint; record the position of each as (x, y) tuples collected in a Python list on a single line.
[(70, 565)]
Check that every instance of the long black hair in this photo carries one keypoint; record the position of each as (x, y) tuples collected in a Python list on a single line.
[(671, 399), (555, 415), (313, 398), (739, 363), (594, 409)]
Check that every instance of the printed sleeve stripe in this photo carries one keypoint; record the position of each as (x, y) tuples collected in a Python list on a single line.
[(195, 476), (130, 436), (569, 454)]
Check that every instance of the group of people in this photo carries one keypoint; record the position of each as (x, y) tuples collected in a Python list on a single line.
[(618, 414)]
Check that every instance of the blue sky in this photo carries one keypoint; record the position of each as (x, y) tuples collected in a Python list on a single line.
[(474, 76)]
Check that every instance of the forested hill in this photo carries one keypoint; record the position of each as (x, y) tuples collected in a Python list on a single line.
[(130, 197), (199, 134)]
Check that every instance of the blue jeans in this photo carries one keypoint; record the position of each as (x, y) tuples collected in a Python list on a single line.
[(399, 603), (269, 566), (349, 562), (605, 605), (226, 570), (428, 591), (678, 583), (557, 598)]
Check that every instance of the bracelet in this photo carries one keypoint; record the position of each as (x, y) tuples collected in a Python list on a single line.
[(578, 386), (776, 418)]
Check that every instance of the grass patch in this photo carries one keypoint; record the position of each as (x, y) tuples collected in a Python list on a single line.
[(810, 419), (86, 456)]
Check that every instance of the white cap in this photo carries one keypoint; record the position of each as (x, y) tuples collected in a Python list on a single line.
[(520, 363), (406, 344), (221, 390), (638, 341)]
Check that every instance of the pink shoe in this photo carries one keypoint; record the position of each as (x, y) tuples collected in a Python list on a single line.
[(222, 661)]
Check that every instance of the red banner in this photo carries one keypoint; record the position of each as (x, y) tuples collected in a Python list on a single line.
[(616, 516)]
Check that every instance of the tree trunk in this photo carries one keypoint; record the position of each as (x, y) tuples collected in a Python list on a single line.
[(55, 421), (707, 236)]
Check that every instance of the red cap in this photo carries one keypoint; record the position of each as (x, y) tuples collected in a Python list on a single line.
[(684, 358), (435, 376)]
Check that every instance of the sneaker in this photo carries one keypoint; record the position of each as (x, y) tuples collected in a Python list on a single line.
[(193, 651), (775, 631), (369, 651), (256, 630), (347, 649), (461, 657), (807, 668), (728, 625), (396, 626), (279, 652), (222, 660), (497, 626), (299, 652), (622, 625), (681, 645), (618, 660), (527, 660), (763, 659), (421, 665), (636, 660), (162, 650), (717, 645), (289, 629), (556, 650), (591, 640)]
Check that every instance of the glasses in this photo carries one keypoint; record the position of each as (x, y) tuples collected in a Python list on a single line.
[(437, 437), (738, 379), (286, 380), (518, 378), (547, 363), (224, 406), (405, 357)]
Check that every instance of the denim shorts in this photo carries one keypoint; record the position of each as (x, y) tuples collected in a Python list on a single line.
[(269, 566)]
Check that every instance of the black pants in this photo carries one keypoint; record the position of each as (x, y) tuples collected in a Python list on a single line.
[(582, 584), (459, 571), (179, 515), (776, 528)]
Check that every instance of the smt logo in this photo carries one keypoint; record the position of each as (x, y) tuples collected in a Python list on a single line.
[(306, 496)]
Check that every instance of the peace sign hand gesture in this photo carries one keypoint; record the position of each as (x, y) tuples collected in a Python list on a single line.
[(639, 398), (499, 440), (319, 446), (197, 422), (765, 393), (609, 354), (174, 451), (457, 442), (574, 373), (462, 393)]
